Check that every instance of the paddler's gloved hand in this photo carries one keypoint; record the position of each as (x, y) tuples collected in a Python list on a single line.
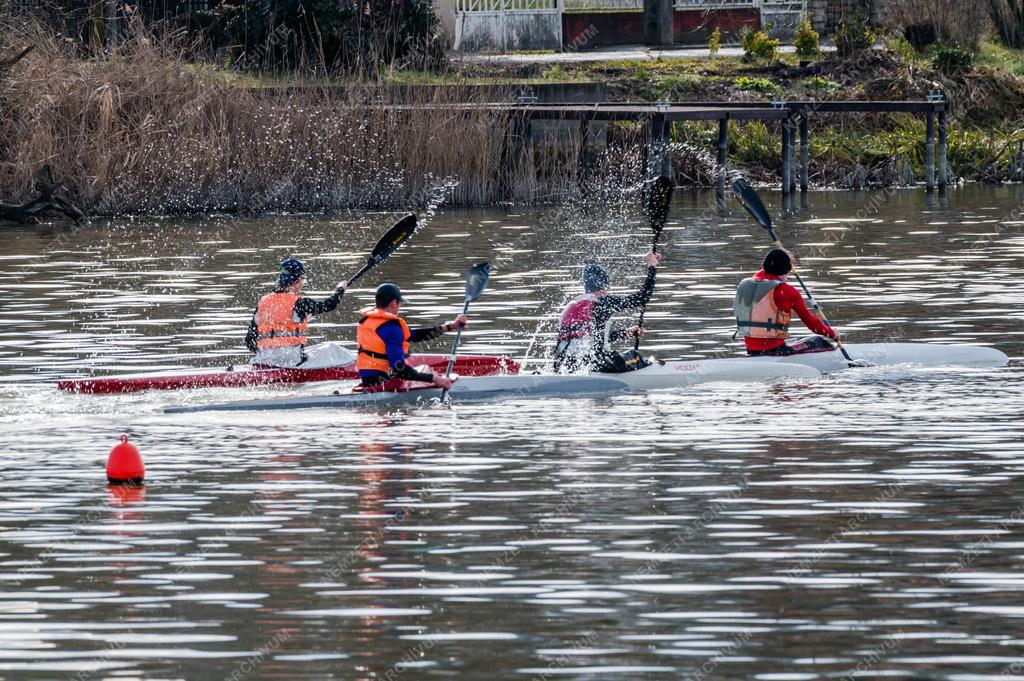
[(341, 287), (653, 259), (442, 382), (635, 332), (834, 335), (457, 323)]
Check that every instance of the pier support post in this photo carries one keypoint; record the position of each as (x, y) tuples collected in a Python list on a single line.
[(929, 153), (805, 153), (723, 151), (659, 142), (792, 155), (943, 172), (787, 157)]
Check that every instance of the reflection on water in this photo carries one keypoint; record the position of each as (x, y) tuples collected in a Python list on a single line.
[(869, 524)]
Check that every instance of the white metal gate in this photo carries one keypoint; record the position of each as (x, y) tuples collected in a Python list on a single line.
[(488, 25)]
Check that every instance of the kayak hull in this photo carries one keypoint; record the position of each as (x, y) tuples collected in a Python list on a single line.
[(247, 375), (888, 354), (466, 389), (659, 375), (683, 374)]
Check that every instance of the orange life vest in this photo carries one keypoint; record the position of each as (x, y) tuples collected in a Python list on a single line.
[(373, 352), (275, 324), (757, 315)]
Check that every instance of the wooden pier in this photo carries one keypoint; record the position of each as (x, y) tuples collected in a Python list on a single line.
[(796, 126)]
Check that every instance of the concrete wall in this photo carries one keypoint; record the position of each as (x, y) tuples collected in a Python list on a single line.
[(689, 27), (497, 31)]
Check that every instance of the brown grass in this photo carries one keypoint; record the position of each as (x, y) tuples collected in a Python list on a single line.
[(143, 131)]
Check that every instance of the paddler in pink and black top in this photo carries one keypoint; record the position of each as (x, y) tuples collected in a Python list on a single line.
[(586, 334)]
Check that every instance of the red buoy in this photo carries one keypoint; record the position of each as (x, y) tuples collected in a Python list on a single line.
[(124, 466)]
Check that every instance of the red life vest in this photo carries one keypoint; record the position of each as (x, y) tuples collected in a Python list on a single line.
[(276, 324), (373, 351), (577, 318)]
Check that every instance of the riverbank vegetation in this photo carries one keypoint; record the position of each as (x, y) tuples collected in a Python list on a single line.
[(264, 119)]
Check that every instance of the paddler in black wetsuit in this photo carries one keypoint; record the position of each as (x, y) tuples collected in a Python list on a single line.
[(586, 334), (384, 339), (279, 329)]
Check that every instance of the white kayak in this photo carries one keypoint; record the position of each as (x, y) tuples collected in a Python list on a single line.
[(660, 375), (472, 388), (887, 354), (683, 374)]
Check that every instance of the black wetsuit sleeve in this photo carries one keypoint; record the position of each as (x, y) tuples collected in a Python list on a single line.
[(607, 307), (406, 372), (633, 300), (253, 334), (308, 307), (425, 334)]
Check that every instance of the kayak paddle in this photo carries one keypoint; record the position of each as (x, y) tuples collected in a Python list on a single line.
[(399, 233), (750, 200), (476, 282), (659, 198)]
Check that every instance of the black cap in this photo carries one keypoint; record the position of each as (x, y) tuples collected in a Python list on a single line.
[(386, 293), (291, 270), (777, 262), (595, 278)]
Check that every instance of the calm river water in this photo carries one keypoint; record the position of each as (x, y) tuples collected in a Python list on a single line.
[(869, 524)]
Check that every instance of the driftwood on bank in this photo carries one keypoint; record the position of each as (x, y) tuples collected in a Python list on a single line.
[(5, 63), (49, 200)]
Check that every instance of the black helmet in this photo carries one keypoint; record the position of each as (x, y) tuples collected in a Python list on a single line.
[(291, 270), (777, 262), (595, 278), (387, 293)]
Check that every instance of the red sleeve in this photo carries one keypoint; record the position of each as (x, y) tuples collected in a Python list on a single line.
[(788, 299)]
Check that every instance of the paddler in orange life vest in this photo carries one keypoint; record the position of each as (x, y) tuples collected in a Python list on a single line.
[(585, 332), (764, 305), (279, 330), (384, 339)]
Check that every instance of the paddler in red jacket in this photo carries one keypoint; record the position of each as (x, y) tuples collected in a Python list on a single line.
[(384, 338), (764, 306), (279, 329)]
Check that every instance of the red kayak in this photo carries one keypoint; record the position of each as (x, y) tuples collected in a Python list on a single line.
[(246, 375)]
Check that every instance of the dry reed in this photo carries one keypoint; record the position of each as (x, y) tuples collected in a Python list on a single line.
[(143, 131)]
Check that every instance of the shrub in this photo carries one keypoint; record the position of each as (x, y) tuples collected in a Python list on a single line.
[(762, 85), (920, 34), (925, 22), (852, 34), (822, 84), (715, 41), (902, 48), (757, 46), (324, 36), (806, 40), (952, 60)]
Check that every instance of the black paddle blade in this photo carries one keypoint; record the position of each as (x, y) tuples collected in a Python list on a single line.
[(476, 280), (659, 198), (393, 239), (746, 195)]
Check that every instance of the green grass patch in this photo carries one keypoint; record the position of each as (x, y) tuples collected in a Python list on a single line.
[(1001, 57)]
